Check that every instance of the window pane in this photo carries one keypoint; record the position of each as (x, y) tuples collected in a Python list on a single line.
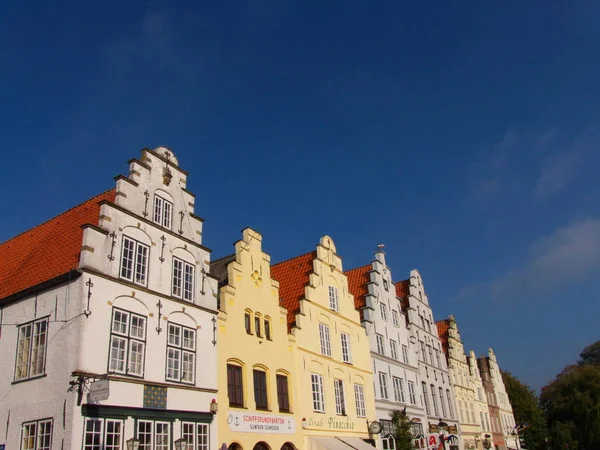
[(138, 327), (168, 208), (44, 440), (202, 436), (189, 361), (24, 347), (117, 354), (127, 259), (188, 282), (188, 433), (282, 393), (267, 329), (93, 434), (247, 323), (234, 385), (38, 354), (260, 389), (120, 321), (28, 436), (173, 363), (162, 436), (158, 209), (359, 398), (257, 325), (141, 264), (144, 434), (317, 392), (174, 335), (340, 403), (113, 435), (189, 339), (177, 276), (136, 357)]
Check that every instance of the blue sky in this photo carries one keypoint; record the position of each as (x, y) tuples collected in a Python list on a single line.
[(464, 138)]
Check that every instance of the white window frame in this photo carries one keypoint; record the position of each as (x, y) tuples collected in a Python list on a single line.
[(340, 399), (383, 387), (425, 398), (154, 434), (198, 438), (395, 318), (318, 396), (163, 211), (380, 344), (32, 347), (134, 266), (325, 339), (398, 384), (127, 349), (383, 311), (405, 356), (434, 400), (103, 434), (359, 400), (346, 347), (412, 396), (334, 302), (181, 354), (183, 280), (393, 349), (441, 392), (35, 435), (449, 398)]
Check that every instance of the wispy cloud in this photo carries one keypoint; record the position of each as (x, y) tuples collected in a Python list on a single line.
[(570, 254), (558, 171)]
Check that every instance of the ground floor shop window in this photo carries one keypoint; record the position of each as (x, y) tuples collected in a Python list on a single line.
[(36, 435), (103, 434), (195, 435), (154, 435)]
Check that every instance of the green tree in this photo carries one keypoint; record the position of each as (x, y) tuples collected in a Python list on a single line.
[(526, 409), (572, 405), (402, 430), (590, 355)]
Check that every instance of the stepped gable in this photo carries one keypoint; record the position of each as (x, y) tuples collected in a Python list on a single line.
[(49, 250)]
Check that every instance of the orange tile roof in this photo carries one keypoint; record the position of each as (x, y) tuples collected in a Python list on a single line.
[(357, 285), (48, 250), (293, 275), (402, 293), (442, 327)]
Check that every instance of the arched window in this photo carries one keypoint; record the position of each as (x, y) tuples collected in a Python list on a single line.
[(248, 321), (288, 446), (235, 384), (257, 325), (261, 446), (268, 328)]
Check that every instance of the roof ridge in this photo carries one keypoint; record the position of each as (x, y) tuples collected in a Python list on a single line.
[(295, 257), (57, 216)]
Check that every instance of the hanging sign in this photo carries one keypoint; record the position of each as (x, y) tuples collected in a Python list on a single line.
[(261, 423), (99, 390)]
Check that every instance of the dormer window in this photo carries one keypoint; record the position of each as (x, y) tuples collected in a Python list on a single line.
[(386, 285), (163, 211)]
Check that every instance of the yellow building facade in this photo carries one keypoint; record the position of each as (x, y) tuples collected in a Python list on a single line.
[(333, 359), (258, 399)]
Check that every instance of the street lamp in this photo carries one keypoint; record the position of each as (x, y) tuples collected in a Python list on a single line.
[(442, 428), (133, 444), (180, 444)]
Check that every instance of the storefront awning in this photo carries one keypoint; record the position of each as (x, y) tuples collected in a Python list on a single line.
[(336, 443)]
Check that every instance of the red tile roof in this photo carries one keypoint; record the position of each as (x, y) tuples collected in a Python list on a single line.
[(442, 327), (293, 275), (48, 250), (357, 284), (402, 292)]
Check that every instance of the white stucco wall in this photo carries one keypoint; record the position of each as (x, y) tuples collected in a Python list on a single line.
[(423, 329), (47, 396), (375, 324)]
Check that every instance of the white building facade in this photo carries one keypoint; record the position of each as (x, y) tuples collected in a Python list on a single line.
[(119, 351), (394, 356), (481, 406), (436, 389), (507, 419)]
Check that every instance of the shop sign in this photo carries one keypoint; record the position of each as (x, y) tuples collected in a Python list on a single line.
[(331, 423), (433, 428), (99, 390), (453, 429), (432, 440), (261, 423)]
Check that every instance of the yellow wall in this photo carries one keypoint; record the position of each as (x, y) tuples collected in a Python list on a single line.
[(251, 288), (313, 310)]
